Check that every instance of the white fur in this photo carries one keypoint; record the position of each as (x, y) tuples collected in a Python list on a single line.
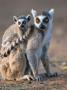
[(41, 17), (48, 36), (37, 46), (34, 12), (51, 11)]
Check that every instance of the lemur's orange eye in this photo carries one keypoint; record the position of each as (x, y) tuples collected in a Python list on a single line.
[(46, 20), (37, 20)]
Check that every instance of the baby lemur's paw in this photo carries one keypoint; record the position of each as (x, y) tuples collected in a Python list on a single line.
[(25, 77), (28, 77), (52, 74)]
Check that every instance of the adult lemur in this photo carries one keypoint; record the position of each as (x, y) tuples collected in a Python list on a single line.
[(38, 44)]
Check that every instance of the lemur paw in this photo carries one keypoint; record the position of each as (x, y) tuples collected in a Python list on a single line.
[(21, 39), (25, 77), (39, 78), (17, 41), (52, 74), (13, 44)]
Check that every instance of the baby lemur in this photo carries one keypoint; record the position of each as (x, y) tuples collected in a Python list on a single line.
[(38, 44), (12, 66)]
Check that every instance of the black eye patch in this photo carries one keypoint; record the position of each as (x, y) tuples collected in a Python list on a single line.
[(46, 20), (24, 22), (19, 23), (37, 20)]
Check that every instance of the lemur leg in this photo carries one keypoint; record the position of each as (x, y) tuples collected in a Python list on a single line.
[(27, 69), (6, 72), (33, 62), (45, 62), (3, 70), (25, 74)]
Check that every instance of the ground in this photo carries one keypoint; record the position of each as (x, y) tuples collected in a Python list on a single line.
[(51, 84), (58, 46), (54, 83)]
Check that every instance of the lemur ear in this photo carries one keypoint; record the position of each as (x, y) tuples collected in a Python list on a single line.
[(28, 18), (51, 12), (33, 12), (15, 19)]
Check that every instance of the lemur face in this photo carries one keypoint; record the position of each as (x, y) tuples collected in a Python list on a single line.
[(22, 21), (42, 21)]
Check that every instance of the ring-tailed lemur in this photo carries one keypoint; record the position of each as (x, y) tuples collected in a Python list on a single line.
[(38, 44), (15, 34), (13, 66)]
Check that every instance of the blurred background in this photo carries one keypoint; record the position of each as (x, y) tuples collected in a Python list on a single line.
[(58, 46)]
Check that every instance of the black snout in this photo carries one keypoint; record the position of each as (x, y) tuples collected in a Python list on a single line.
[(42, 26), (23, 24)]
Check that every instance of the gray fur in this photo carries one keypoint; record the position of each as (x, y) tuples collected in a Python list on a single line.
[(12, 67), (15, 33), (38, 44)]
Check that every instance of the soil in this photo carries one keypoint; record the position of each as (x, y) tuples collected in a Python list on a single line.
[(53, 83)]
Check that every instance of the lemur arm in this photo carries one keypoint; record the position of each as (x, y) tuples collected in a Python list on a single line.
[(29, 32), (8, 39)]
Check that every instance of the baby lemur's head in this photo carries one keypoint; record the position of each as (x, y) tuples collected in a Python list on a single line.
[(22, 21), (43, 21)]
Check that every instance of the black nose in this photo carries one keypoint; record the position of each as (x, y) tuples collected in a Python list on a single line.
[(23, 24), (42, 26)]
